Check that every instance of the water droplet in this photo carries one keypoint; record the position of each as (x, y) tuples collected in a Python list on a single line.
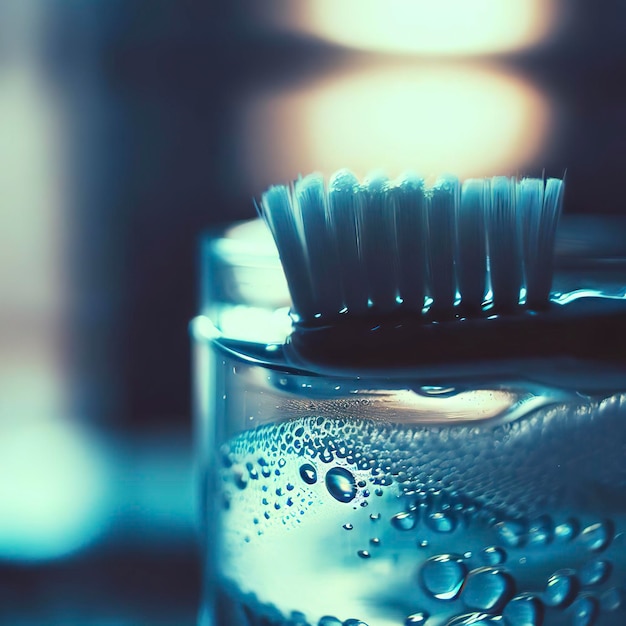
[(423, 543), (567, 530), (326, 456), (340, 484), (443, 575), (613, 599), (475, 619), (374, 517), (297, 619), (308, 474), (561, 589), (595, 573), (375, 541), (584, 611), (364, 554), (541, 531), (416, 618), (329, 620), (354, 622), (442, 521), (240, 476), (281, 462), (597, 536), (524, 610), (512, 533), (348, 526), (487, 589), (493, 555), (404, 520)]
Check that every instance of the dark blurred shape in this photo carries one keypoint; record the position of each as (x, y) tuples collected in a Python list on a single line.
[(115, 585)]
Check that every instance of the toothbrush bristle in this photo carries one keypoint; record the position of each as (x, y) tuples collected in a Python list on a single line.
[(504, 245), (310, 197), (472, 244), (539, 236), (344, 202), (440, 243), (409, 201), (381, 246), (284, 219), (378, 234)]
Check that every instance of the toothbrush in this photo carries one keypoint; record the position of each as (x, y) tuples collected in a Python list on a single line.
[(380, 247), (415, 309), (453, 278)]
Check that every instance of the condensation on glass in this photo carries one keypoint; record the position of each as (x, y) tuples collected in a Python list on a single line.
[(387, 497)]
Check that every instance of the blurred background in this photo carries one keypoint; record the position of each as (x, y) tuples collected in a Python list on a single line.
[(127, 127)]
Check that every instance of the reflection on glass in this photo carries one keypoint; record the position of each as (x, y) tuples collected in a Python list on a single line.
[(465, 119), (438, 27)]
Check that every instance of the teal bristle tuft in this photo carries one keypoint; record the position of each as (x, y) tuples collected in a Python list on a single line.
[(380, 248)]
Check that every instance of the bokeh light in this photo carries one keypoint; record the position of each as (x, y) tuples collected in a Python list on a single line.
[(429, 27), (458, 118), (53, 496)]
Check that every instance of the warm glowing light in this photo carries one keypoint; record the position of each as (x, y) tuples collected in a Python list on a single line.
[(436, 118), (441, 27)]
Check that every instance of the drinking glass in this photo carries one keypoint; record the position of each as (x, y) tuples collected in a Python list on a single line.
[(383, 493)]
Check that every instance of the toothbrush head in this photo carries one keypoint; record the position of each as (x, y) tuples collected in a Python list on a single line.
[(379, 248)]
